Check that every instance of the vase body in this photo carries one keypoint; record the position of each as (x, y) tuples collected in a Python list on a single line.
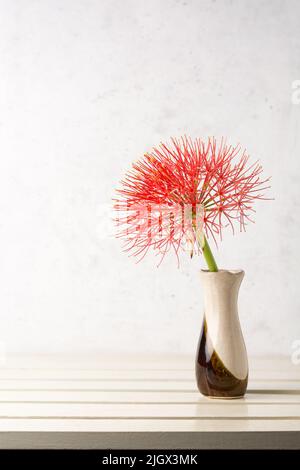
[(221, 361)]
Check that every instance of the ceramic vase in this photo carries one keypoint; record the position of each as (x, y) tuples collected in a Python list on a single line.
[(221, 360)]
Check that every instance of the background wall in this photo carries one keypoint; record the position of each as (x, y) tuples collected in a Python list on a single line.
[(86, 86)]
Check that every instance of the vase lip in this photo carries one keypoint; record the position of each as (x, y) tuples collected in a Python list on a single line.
[(232, 272)]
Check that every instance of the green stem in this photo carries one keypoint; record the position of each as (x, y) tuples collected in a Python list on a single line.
[(205, 248), (209, 257)]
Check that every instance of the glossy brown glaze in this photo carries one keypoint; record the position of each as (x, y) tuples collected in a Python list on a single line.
[(213, 378)]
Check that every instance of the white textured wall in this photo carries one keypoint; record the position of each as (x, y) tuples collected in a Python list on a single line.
[(86, 86)]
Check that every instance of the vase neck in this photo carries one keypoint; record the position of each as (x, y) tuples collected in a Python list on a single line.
[(221, 290)]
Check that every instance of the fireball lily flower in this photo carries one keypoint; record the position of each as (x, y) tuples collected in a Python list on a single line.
[(182, 194)]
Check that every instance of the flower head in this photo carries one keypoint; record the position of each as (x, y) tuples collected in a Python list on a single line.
[(181, 192)]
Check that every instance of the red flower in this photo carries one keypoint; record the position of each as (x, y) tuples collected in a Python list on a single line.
[(180, 192)]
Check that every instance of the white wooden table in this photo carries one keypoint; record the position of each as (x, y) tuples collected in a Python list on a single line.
[(150, 402)]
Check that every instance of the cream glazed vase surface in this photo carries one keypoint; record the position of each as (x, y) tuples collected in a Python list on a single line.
[(221, 361)]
